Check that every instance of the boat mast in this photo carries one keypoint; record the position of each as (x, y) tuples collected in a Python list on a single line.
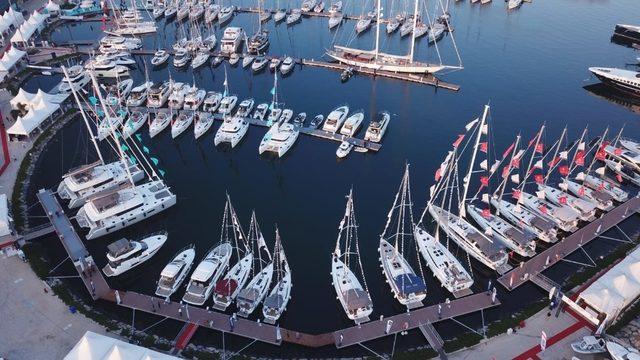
[(84, 116), (555, 154), (377, 28), (510, 166), (107, 118), (467, 179), (413, 32)]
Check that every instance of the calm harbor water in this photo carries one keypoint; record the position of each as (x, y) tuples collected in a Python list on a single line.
[(531, 65)]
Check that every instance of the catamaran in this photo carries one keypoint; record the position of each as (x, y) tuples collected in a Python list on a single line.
[(407, 287), (251, 296), (123, 255), (206, 275), (353, 296), (276, 303), (232, 131), (380, 61), (175, 272)]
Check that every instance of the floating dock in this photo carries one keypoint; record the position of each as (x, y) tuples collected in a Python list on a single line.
[(530, 269)]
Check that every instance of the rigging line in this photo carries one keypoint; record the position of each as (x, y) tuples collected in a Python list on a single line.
[(154, 324), (430, 33), (241, 350), (453, 40), (59, 264)]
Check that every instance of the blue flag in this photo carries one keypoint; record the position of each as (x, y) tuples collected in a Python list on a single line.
[(122, 113), (100, 112), (273, 90), (133, 159)]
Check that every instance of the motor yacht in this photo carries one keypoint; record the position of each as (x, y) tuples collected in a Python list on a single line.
[(211, 101), (138, 94), (178, 92), (299, 119), (123, 255), (286, 116), (118, 92), (175, 272), (107, 69), (227, 105), (335, 119), (352, 124), (287, 65), (259, 42), (259, 64), (207, 273), (231, 40), (317, 121), (78, 79), (194, 98), (274, 115), (181, 58), (377, 127), (245, 108), (274, 65), (159, 94), (344, 149), (590, 345), (261, 111), (201, 58), (627, 81)]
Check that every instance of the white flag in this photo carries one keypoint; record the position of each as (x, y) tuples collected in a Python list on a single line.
[(519, 154), (485, 129), (564, 186), (540, 194), (431, 190), (600, 171), (580, 176), (515, 178), (538, 164), (485, 198), (564, 155), (484, 165), (488, 231), (470, 125), (581, 146), (518, 208), (618, 166), (494, 167)]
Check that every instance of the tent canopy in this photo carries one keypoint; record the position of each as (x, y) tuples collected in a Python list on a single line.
[(52, 6), (38, 113), (27, 99), (28, 28), (10, 58), (99, 347), (616, 289)]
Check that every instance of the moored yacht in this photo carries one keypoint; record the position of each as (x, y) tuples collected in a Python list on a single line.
[(207, 273), (175, 272), (178, 92), (231, 40), (261, 111), (232, 131), (602, 184), (624, 80), (126, 206), (526, 220), (78, 79), (183, 121), (194, 98), (160, 122), (123, 255), (586, 209), (601, 199), (352, 124), (335, 119), (377, 127), (107, 69), (135, 121), (564, 217), (245, 108), (138, 94), (279, 139), (227, 289), (259, 42), (276, 303), (521, 242), (211, 101), (227, 105), (202, 124), (158, 94)]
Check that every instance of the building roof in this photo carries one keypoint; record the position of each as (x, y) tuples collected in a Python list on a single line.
[(99, 347)]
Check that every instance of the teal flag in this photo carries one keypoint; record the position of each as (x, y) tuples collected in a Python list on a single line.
[(100, 112), (93, 100), (139, 137), (155, 161), (145, 149), (122, 113), (161, 172), (133, 160), (124, 148)]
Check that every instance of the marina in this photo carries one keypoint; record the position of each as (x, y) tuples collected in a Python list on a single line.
[(505, 191)]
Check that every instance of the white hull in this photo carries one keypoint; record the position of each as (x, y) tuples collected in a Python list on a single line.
[(249, 298), (239, 273), (394, 265), (527, 220), (345, 283), (212, 267), (185, 259), (282, 289), (232, 132), (565, 218), (154, 243)]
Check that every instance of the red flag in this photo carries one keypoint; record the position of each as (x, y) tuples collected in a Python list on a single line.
[(601, 155), (484, 181), (515, 163), (505, 172), (580, 158), (458, 140), (438, 174), (601, 186), (554, 161), (539, 178), (540, 148), (617, 151), (564, 170), (486, 213), (563, 200), (581, 191), (619, 177), (516, 194), (483, 147), (543, 209), (508, 151)]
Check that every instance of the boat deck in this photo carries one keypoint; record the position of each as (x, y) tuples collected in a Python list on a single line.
[(552, 255)]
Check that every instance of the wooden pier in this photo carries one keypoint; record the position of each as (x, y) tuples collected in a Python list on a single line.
[(552, 255), (196, 317)]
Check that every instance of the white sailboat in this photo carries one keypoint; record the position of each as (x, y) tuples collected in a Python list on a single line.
[(353, 296), (175, 272), (276, 303), (252, 295), (407, 287), (202, 124)]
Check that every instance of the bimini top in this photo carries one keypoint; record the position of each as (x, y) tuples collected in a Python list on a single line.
[(357, 299), (274, 301), (226, 287), (410, 284)]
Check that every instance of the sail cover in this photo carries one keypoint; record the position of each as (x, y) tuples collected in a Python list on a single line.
[(226, 287), (409, 283), (356, 299)]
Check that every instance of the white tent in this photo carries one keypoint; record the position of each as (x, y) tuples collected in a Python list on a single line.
[(5, 219), (13, 17), (616, 289), (29, 27), (27, 99), (52, 7), (23, 98), (34, 118), (10, 58), (99, 347)]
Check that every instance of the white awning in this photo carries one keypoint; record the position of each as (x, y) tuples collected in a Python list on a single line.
[(27, 99), (52, 6), (99, 347), (5, 219), (616, 289), (38, 113), (28, 28), (10, 58), (23, 98)]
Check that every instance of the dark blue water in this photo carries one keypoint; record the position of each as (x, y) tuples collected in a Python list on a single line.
[(531, 65)]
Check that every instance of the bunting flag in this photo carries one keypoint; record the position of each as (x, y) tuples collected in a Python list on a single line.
[(563, 200), (543, 209), (619, 178), (539, 179), (508, 150), (154, 160), (601, 186), (515, 178), (121, 112), (124, 147), (484, 147), (564, 155), (581, 191), (432, 189), (516, 194), (617, 151), (540, 148), (100, 112), (563, 170), (601, 155), (538, 165), (93, 100), (505, 172), (458, 141), (485, 198), (580, 176), (485, 129), (438, 175), (273, 91), (139, 137), (161, 172), (484, 181), (554, 161), (579, 158), (515, 163), (470, 125), (133, 160), (581, 146), (486, 213), (484, 165), (540, 195), (494, 167), (145, 149), (600, 170)]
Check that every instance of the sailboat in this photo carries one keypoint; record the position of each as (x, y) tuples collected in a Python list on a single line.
[(252, 295), (81, 183), (353, 296), (276, 303), (379, 61), (128, 204), (478, 245), (407, 287), (259, 42), (215, 263), (228, 287)]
